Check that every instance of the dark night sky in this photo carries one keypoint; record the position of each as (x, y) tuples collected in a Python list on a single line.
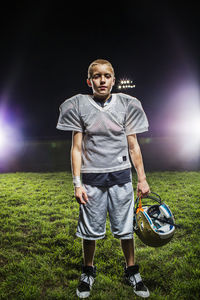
[(46, 48)]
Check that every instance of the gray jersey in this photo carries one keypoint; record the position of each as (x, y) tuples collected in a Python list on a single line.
[(105, 129)]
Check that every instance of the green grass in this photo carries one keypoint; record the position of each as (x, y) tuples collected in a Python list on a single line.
[(41, 257)]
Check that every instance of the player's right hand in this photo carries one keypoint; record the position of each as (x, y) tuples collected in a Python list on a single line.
[(81, 195)]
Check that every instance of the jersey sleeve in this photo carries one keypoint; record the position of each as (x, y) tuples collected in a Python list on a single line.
[(136, 120), (69, 118)]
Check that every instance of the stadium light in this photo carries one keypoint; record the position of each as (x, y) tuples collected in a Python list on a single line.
[(125, 84)]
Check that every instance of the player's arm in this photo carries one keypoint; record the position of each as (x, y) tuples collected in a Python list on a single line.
[(79, 191), (136, 157)]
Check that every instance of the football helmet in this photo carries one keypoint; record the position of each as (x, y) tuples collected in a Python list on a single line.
[(153, 224)]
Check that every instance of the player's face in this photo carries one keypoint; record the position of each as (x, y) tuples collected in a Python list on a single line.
[(102, 81)]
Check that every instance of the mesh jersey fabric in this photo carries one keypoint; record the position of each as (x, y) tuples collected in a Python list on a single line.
[(110, 178), (104, 145)]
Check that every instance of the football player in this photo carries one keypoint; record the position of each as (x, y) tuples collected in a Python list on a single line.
[(105, 127)]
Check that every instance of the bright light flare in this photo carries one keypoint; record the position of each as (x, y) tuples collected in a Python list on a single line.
[(183, 110), (191, 126), (2, 139), (10, 142)]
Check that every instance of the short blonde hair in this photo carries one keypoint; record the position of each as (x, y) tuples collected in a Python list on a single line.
[(99, 62)]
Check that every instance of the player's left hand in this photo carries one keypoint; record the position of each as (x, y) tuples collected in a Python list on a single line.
[(143, 188)]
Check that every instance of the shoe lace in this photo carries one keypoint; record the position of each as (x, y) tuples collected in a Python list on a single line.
[(135, 278), (136, 282), (87, 278)]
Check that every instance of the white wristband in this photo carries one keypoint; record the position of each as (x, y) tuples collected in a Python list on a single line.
[(76, 181)]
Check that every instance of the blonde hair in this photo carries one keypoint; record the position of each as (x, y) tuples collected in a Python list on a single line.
[(99, 62)]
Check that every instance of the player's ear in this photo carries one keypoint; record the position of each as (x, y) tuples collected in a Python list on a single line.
[(113, 81), (89, 83)]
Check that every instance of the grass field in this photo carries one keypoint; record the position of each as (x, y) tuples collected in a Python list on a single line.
[(40, 256)]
